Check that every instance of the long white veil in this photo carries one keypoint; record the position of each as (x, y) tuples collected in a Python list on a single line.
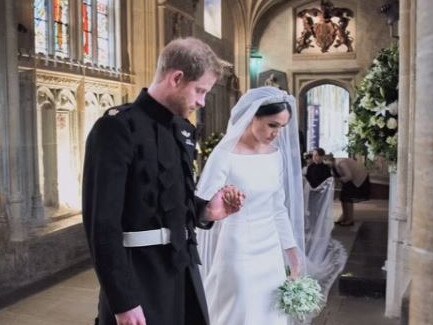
[(325, 256), (288, 143)]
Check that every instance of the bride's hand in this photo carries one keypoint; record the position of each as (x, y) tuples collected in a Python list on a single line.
[(226, 201), (294, 263), (295, 273)]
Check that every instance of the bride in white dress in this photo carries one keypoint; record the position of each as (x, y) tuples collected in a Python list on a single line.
[(244, 256)]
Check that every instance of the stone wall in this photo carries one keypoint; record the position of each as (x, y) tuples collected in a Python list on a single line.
[(44, 253)]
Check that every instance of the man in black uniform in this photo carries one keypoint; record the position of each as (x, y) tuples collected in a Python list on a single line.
[(139, 208)]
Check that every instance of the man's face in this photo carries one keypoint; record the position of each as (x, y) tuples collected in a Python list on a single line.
[(188, 97), (317, 158)]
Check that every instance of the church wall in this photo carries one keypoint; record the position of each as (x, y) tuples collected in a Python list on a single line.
[(43, 234), (277, 42)]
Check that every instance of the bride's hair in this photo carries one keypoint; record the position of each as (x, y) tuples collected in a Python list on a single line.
[(273, 108)]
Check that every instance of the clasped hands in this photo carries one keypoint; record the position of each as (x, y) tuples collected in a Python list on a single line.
[(226, 201)]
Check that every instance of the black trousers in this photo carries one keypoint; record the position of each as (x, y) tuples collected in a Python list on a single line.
[(188, 311)]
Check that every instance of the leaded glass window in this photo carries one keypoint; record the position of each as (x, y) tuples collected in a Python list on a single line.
[(87, 30), (52, 27), (103, 32), (98, 31), (61, 27), (41, 26)]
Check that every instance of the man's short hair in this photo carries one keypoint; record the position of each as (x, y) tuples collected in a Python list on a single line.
[(320, 152), (191, 56)]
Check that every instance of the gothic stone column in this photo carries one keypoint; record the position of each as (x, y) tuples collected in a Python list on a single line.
[(420, 310), (9, 93), (399, 230)]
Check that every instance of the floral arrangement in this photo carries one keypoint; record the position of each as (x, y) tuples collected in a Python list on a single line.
[(373, 120), (300, 298), (209, 144)]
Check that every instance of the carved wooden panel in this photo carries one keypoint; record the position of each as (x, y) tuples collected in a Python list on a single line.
[(324, 27)]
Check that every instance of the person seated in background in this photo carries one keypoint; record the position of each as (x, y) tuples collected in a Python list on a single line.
[(356, 186), (317, 172)]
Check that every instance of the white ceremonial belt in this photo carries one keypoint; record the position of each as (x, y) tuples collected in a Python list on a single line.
[(146, 238)]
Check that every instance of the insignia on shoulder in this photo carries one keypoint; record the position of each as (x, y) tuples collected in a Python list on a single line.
[(185, 133), (113, 111)]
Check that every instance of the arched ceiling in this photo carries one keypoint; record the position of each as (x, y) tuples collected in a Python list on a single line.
[(252, 11)]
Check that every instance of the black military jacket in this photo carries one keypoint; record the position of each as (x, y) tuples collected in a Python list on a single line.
[(138, 176)]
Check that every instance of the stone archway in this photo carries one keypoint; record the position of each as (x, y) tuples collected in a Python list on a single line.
[(323, 104)]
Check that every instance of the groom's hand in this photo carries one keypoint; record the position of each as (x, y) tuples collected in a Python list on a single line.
[(225, 202), (133, 316)]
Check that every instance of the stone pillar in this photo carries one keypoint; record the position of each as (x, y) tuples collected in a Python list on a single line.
[(399, 230), (144, 37), (30, 141), (420, 308), (9, 93)]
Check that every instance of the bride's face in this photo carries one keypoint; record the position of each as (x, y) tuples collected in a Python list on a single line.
[(265, 129)]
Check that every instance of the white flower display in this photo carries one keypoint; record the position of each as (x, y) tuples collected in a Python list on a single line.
[(373, 123)]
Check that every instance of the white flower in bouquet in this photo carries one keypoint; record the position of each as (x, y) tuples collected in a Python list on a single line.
[(392, 140), (393, 108), (391, 123), (380, 122), (300, 298)]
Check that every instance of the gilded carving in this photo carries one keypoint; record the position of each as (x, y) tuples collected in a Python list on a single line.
[(319, 27)]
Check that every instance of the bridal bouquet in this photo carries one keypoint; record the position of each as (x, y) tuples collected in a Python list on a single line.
[(300, 298)]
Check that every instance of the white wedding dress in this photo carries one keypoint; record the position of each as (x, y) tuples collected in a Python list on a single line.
[(242, 255)]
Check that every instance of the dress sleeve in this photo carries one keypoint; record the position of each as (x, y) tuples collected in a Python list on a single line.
[(282, 218), (214, 175)]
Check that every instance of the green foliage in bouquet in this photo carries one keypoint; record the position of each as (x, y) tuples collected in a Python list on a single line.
[(209, 144), (373, 120), (300, 298)]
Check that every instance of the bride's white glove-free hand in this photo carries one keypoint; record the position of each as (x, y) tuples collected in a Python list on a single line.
[(225, 202)]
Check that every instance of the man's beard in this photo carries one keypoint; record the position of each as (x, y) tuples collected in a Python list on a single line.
[(180, 105)]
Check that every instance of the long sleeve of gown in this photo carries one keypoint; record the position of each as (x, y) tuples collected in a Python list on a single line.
[(282, 219), (214, 175)]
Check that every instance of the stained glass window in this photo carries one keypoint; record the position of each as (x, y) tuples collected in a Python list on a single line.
[(61, 27), (97, 28), (97, 21), (52, 27), (41, 26), (103, 32), (87, 30)]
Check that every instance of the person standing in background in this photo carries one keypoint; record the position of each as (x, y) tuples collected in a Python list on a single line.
[(356, 187)]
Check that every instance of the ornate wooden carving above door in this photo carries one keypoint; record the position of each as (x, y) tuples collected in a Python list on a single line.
[(326, 26)]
